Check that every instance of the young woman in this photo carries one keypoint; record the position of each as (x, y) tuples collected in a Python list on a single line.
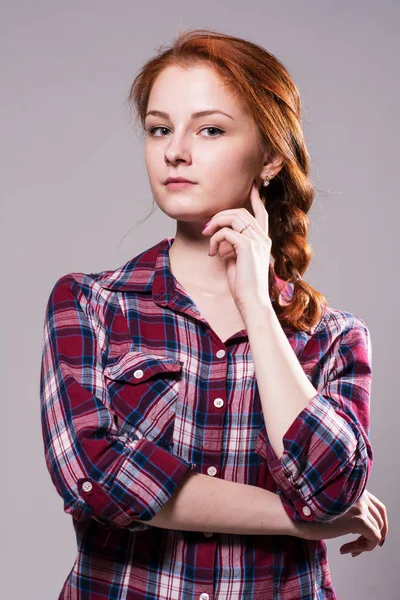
[(205, 412)]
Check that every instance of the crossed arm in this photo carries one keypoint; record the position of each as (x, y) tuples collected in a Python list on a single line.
[(204, 503), (324, 431), (322, 471)]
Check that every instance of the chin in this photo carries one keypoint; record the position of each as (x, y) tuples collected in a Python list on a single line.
[(193, 218), (179, 212)]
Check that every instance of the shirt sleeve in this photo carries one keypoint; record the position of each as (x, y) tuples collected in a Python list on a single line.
[(327, 454), (98, 473)]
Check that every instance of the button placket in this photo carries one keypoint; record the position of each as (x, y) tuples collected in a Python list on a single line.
[(212, 470)]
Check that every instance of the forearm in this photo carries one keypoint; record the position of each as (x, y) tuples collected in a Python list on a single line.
[(204, 503), (283, 385)]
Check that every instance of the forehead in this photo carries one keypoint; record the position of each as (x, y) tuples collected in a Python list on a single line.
[(193, 89)]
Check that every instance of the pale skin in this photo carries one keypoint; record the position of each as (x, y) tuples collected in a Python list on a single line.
[(227, 287)]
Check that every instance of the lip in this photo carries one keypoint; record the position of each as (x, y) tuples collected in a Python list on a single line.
[(178, 185), (176, 179)]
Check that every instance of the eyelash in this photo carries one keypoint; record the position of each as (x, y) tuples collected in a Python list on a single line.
[(152, 129)]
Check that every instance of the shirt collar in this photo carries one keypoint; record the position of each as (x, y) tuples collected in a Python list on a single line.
[(150, 271)]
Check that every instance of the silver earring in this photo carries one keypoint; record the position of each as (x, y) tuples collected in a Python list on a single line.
[(266, 181)]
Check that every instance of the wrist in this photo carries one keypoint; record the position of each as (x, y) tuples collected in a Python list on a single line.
[(288, 526), (301, 529), (254, 313)]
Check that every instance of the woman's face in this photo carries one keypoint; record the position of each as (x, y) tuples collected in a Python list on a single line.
[(218, 152)]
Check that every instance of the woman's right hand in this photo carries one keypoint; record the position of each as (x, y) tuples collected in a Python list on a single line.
[(368, 517)]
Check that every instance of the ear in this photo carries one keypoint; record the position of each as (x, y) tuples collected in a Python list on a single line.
[(273, 163)]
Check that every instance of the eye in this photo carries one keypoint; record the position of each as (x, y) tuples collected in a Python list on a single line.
[(215, 129), (153, 129)]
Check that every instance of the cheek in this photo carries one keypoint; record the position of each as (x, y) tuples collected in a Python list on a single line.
[(237, 162), (236, 174), (150, 159), (154, 157)]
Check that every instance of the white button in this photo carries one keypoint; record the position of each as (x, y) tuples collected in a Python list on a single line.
[(306, 510), (208, 533), (204, 596), (218, 402), (220, 353), (211, 471), (138, 373), (87, 486)]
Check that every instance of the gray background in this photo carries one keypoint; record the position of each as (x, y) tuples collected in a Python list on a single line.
[(75, 190)]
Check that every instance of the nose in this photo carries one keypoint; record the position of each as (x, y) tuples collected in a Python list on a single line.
[(177, 149)]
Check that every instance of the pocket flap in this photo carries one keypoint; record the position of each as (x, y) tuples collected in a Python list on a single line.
[(136, 367)]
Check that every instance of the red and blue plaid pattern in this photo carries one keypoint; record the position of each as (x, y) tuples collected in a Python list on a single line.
[(130, 371)]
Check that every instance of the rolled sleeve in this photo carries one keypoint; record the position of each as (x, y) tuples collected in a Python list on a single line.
[(327, 454), (99, 473)]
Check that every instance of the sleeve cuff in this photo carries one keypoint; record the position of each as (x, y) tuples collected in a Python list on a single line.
[(142, 484), (318, 447)]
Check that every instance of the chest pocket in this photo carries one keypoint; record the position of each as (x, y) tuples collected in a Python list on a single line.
[(144, 389)]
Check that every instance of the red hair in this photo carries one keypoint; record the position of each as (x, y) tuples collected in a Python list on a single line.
[(273, 102)]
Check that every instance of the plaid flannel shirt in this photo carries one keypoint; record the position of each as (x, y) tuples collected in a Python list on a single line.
[(137, 391)]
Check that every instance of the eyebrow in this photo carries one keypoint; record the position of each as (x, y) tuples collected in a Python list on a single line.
[(195, 115)]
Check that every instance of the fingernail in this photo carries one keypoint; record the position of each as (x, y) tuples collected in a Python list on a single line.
[(255, 184), (204, 226), (382, 542)]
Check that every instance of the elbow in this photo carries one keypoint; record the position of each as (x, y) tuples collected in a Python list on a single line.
[(322, 486), (340, 492), (88, 500), (73, 504)]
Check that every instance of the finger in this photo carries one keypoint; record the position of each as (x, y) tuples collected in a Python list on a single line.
[(247, 217), (372, 534), (354, 546), (260, 212), (237, 240), (382, 509), (233, 220), (375, 514), (377, 517), (365, 542), (368, 539), (369, 527), (352, 551)]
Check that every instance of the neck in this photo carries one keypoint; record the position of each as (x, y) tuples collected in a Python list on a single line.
[(191, 263)]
